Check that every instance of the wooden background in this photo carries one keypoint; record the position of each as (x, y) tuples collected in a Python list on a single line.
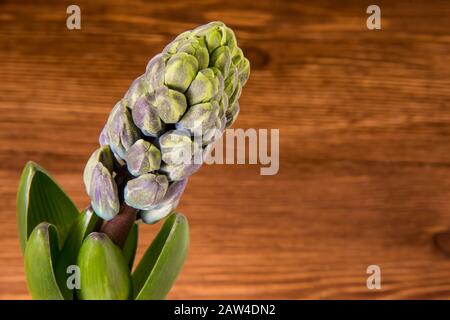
[(364, 125)]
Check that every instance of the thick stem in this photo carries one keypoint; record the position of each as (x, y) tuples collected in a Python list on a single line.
[(118, 228)]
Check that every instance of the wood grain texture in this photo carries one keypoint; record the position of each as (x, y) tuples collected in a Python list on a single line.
[(364, 125)]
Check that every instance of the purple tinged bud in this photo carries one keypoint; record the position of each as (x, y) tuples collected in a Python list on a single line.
[(146, 190), (103, 193), (176, 147), (103, 138), (145, 117), (170, 104), (181, 69), (166, 205), (142, 157), (136, 90), (197, 119), (122, 132), (155, 71), (181, 171), (102, 155)]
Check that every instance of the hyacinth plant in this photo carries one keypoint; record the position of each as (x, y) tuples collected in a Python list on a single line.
[(156, 136)]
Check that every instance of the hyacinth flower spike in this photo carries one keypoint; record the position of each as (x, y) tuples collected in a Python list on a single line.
[(155, 137)]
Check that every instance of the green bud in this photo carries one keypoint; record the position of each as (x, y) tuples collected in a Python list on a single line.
[(142, 157), (206, 85), (155, 72), (196, 47), (180, 71), (122, 132), (213, 39), (244, 71), (202, 88), (170, 104), (173, 46), (231, 81), (176, 147), (223, 104), (146, 118), (197, 119), (214, 113), (177, 42), (211, 131), (232, 114), (237, 56), (221, 59), (214, 33), (213, 134), (235, 95), (230, 39), (146, 190), (136, 90), (184, 35)]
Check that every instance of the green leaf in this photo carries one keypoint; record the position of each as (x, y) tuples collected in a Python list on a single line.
[(104, 271), (40, 253), (83, 226), (40, 199), (130, 246), (163, 260)]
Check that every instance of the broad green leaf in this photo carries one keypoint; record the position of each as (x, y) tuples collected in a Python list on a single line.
[(40, 254), (84, 225), (40, 199), (130, 246), (163, 260), (104, 271)]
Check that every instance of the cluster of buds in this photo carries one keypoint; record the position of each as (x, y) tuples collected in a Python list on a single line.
[(159, 133)]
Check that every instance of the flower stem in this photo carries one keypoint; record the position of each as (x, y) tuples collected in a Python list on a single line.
[(118, 228)]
